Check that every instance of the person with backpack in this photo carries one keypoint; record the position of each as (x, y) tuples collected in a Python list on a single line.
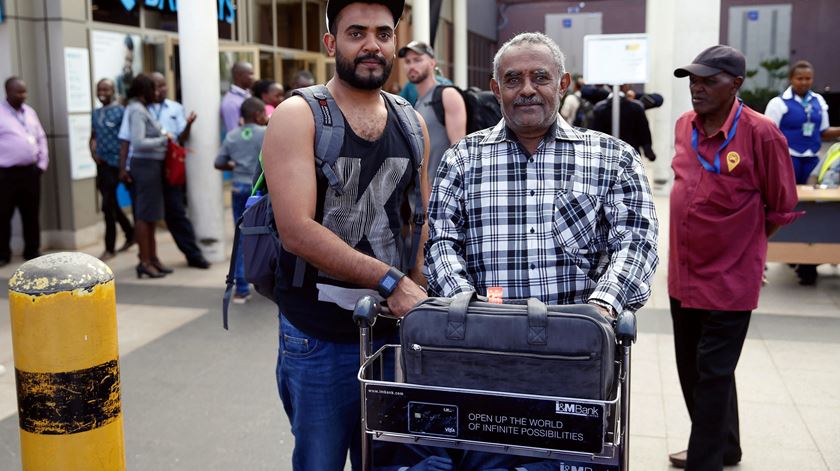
[(442, 107), (240, 154), (340, 213)]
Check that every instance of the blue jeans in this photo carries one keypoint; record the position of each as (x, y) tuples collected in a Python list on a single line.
[(238, 197), (320, 393)]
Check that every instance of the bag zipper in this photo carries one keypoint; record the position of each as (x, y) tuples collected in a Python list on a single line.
[(420, 348)]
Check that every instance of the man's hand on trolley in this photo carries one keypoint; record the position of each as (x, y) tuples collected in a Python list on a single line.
[(405, 296)]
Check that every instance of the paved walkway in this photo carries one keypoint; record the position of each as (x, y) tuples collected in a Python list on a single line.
[(196, 397)]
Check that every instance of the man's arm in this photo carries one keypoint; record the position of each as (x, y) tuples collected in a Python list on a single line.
[(416, 273), (41, 138), (289, 163), (455, 111), (223, 160), (92, 145), (633, 228), (185, 125), (446, 268), (777, 182)]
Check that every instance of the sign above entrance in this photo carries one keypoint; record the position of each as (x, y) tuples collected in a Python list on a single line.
[(225, 7), (616, 59)]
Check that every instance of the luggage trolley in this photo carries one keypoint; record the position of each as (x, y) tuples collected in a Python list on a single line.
[(577, 434)]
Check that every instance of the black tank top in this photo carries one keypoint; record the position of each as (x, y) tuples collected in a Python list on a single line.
[(369, 216)]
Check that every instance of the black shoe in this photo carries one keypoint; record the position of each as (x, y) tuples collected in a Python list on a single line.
[(162, 268), (148, 270), (199, 263)]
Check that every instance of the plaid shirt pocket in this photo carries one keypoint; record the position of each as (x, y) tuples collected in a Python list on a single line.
[(575, 215)]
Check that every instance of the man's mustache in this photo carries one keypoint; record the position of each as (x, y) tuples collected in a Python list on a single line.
[(525, 101), (366, 57)]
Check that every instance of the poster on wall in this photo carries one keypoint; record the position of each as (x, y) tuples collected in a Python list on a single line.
[(81, 163), (629, 58), (116, 56), (77, 79)]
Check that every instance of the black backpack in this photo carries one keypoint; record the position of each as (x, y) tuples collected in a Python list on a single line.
[(267, 263), (585, 115), (483, 110)]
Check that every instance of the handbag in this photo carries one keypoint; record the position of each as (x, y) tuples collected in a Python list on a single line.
[(174, 165), (526, 347)]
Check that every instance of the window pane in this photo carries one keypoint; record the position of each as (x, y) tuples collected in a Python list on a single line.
[(289, 25), (261, 22), (315, 27), (161, 17), (113, 11), (226, 16)]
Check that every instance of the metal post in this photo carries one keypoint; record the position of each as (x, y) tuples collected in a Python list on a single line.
[(625, 409), (198, 42), (64, 336), (615, 111), (365, 347)]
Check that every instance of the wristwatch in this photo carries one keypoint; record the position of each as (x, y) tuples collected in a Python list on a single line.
[(389, 282)]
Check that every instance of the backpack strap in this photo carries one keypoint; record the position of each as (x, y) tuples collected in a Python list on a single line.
[(229, 279), (329, 131), (437, 103), (413, 132)]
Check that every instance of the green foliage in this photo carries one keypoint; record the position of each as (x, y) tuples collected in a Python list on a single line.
[(757, 96)]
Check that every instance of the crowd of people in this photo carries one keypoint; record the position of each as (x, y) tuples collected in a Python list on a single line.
[(545, 204)]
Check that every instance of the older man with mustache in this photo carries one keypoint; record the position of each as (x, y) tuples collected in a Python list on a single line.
[(733, 188), (537, 208)]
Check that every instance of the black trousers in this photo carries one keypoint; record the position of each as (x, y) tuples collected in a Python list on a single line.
[(20, 187), (107, 180), (179, 225), (708, 345)]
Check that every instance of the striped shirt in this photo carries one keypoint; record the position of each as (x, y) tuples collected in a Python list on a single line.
[(573, 223)]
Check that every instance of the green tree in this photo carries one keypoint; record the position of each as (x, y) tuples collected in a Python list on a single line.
[(757, 96)]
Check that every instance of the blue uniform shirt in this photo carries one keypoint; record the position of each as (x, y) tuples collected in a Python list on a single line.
[(106, 123)]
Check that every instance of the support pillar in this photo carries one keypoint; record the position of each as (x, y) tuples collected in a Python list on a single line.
[(670, 47), (421, 29), (199, 55), (460, 58)]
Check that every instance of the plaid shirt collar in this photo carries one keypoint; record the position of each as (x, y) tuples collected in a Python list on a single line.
[(561, 130)]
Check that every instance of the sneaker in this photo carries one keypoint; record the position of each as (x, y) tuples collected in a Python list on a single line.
[(201, 263), (241, 298), (106, 255), (127, 245)]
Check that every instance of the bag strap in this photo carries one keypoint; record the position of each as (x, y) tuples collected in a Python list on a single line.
[(329, 131), (456, 318), (437, 103), (413, 132), (230, 278)]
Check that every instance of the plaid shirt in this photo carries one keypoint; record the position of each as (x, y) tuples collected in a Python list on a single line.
[(570, 224)]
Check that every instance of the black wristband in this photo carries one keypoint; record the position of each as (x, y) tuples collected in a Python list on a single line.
[(389, 282)]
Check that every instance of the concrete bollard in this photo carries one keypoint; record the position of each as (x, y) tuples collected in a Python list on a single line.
[(64, 335)]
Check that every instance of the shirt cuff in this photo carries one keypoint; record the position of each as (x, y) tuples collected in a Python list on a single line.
[(781, 218)]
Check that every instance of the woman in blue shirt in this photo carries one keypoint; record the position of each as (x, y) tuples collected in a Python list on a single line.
[(802, 116)]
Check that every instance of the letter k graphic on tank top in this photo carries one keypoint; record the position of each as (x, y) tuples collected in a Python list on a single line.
[(366, 216)]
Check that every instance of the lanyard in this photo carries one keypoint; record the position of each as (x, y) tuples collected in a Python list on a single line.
[(729, 136)]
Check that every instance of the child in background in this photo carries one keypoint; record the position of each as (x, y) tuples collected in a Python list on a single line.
[(240, 153)]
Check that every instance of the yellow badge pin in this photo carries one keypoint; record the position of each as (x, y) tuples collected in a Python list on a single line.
[(732, 160)]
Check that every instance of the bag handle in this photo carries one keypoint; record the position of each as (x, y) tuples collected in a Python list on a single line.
[(456, 321)]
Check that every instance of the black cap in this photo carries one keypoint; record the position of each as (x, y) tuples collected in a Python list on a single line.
[(715, 60), (334, 7), (418, 47)]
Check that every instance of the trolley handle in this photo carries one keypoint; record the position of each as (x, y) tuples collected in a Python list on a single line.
[(368, 309)]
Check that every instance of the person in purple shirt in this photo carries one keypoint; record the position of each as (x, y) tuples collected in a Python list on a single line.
[(243, 80), (23, 158)]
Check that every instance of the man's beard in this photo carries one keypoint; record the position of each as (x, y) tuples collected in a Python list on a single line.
[(421, 77), (346, 71)]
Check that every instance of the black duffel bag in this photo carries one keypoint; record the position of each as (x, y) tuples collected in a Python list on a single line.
[(520, 347)]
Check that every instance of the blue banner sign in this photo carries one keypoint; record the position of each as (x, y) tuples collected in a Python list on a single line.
[(226, 11)]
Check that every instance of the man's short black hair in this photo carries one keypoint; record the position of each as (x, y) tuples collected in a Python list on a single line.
[(250, 107), (9, 81)]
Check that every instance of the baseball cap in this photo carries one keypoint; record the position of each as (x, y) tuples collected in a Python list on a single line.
[(334, 7), (715, 60), (418, 47)]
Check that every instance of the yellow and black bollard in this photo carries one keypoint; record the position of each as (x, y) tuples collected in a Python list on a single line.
[(64, 334)]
